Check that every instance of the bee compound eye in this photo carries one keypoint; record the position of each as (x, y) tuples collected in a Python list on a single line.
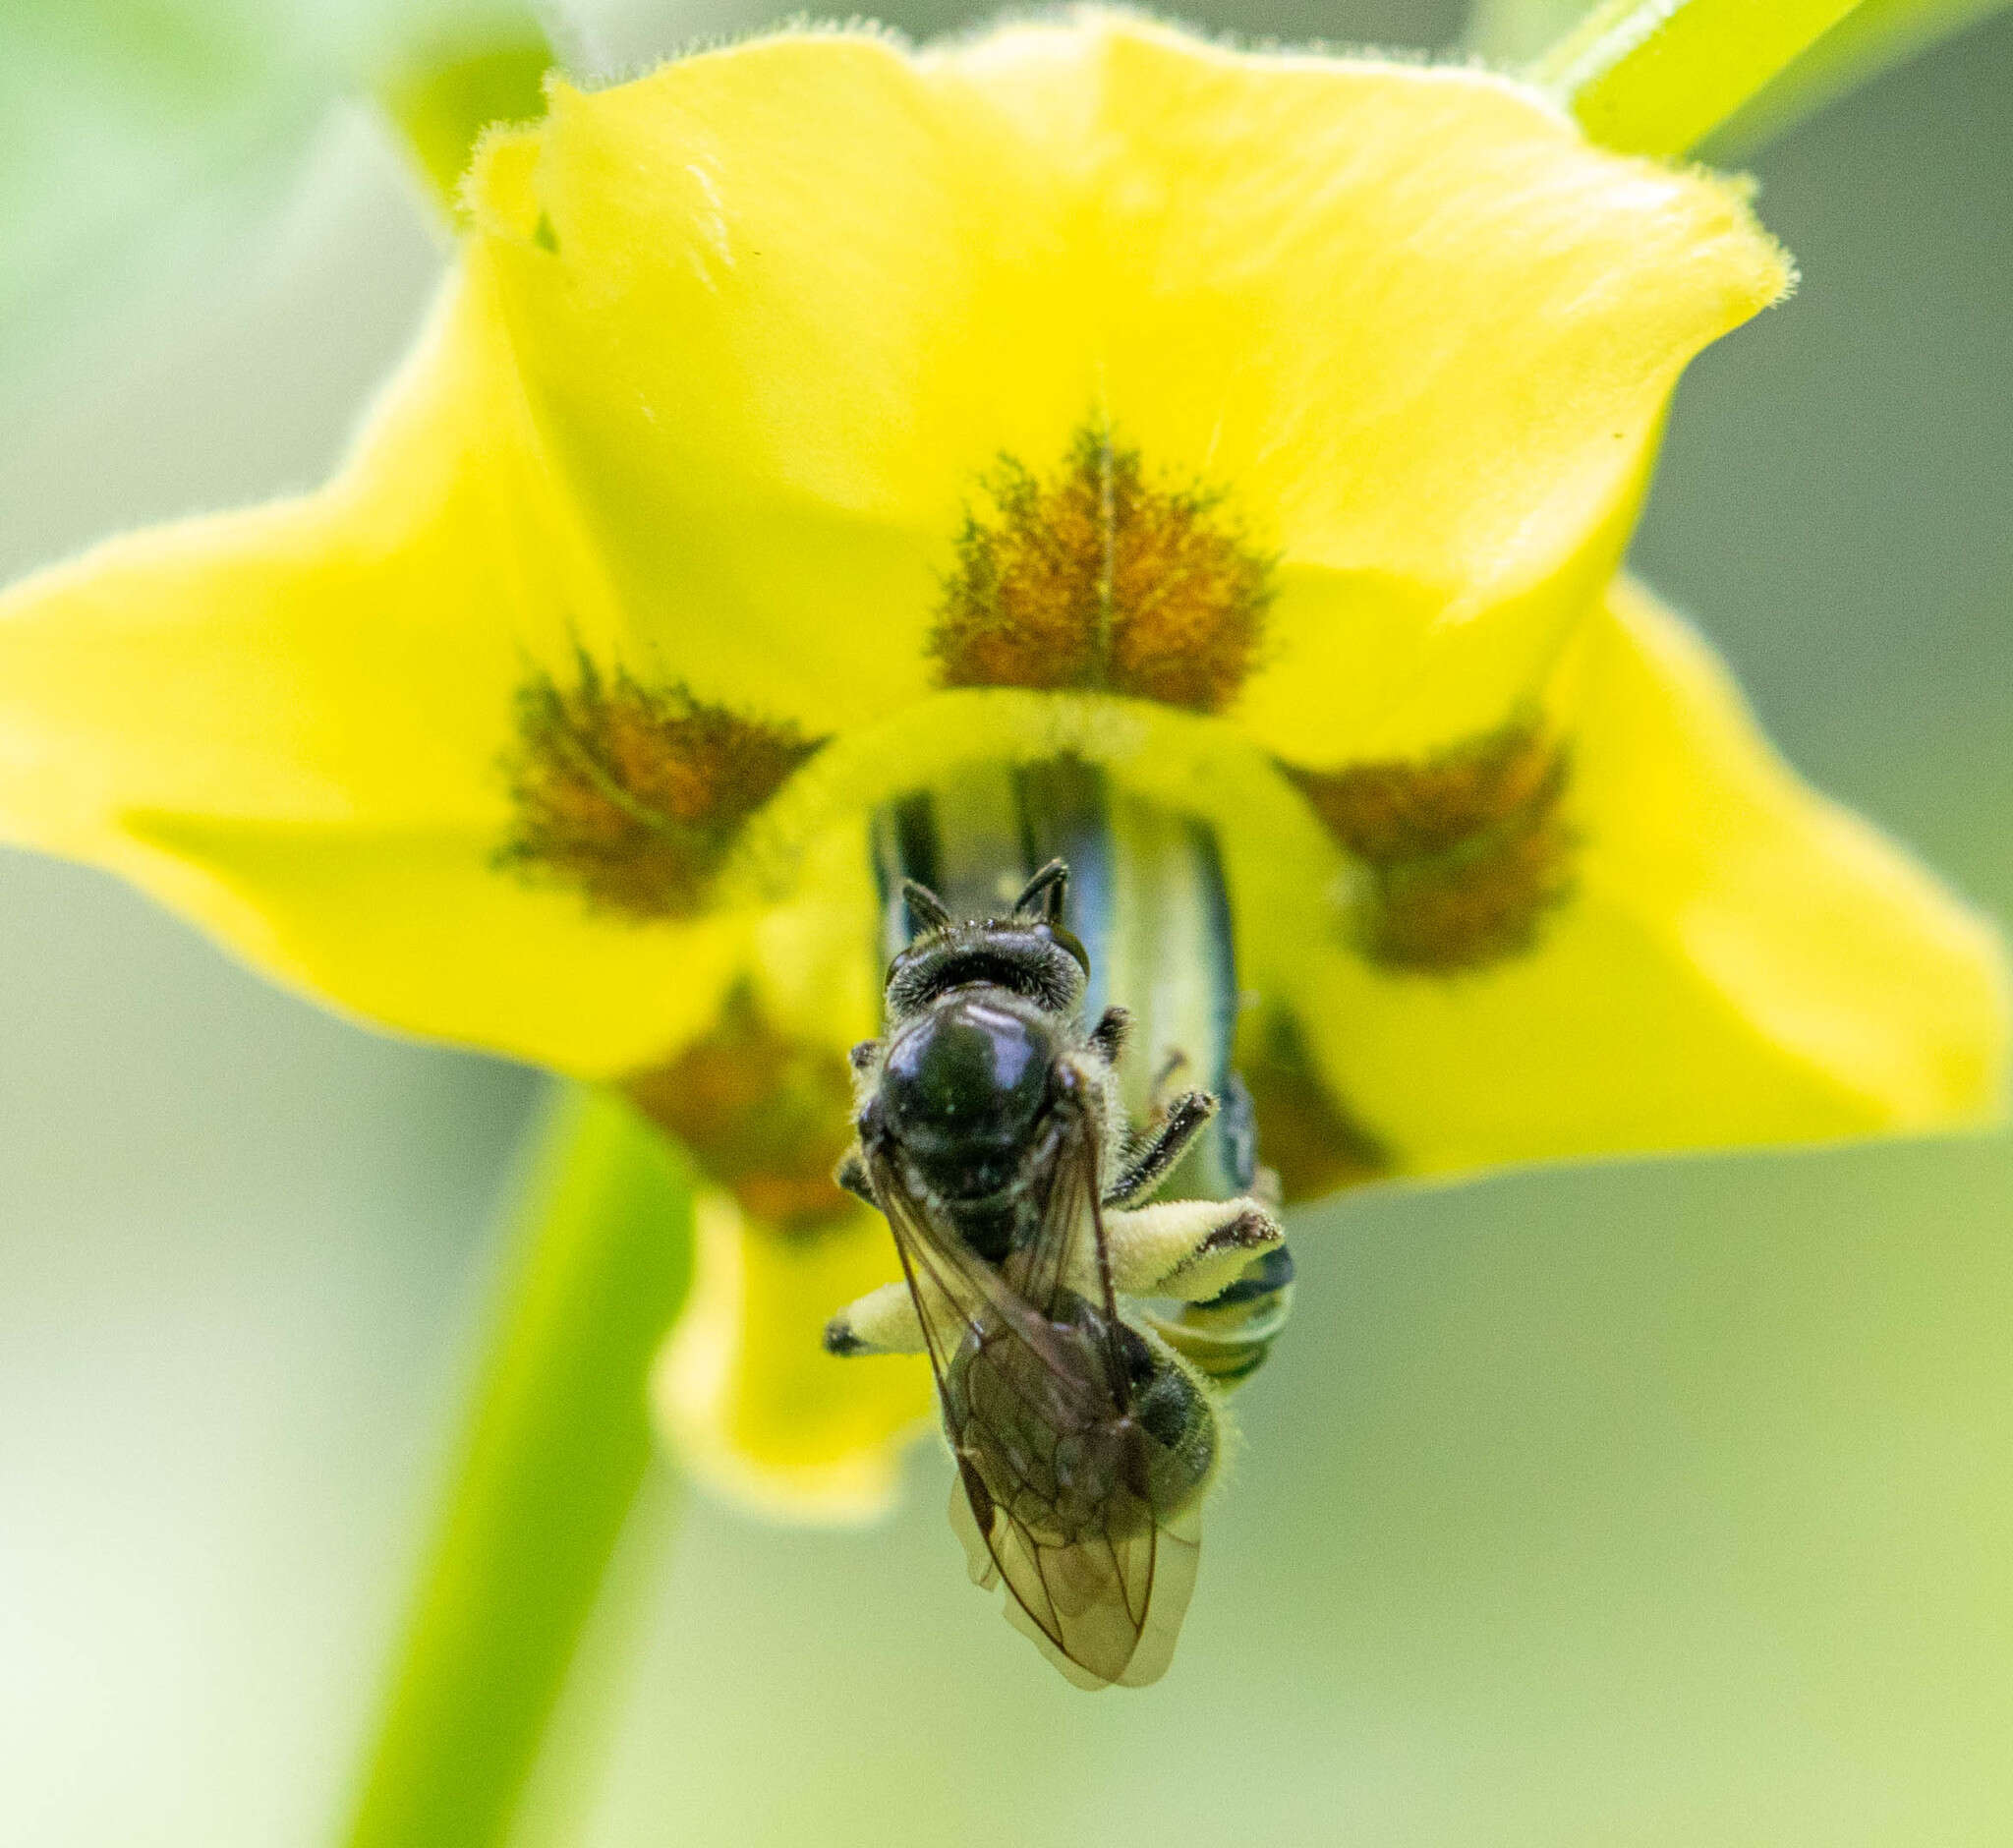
[(1068, 940)]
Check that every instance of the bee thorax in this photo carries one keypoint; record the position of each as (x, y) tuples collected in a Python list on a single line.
[(964, 1088)]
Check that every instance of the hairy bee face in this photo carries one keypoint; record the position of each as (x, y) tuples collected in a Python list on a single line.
[(963, 1087), (1038, 960)]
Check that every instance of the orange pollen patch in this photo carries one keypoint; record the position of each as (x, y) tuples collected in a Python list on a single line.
[(1464, 853), (634, 794), (1306, 1136), (1097, 580), (767, 1116)]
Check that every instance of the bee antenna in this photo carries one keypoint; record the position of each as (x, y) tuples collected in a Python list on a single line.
[(925, 911), (1042, 895)]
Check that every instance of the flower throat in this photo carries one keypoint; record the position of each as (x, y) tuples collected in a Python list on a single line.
[(1146, 896)]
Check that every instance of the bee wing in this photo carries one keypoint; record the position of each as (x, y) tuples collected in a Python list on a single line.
[(1104, 1607), (956, 1292), (1105, 1604), (1068, 1254)]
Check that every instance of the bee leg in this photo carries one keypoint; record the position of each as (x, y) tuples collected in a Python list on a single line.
[(1148, 1164), (1192, 1250), (1171, 1068), (1107, 1038), (882, 1321), (1227, 1337), (851, 1175)]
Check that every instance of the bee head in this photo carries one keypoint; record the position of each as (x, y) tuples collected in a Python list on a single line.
[(1029, 953)]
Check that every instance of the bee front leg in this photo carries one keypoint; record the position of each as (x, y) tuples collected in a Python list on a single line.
[(1107, 1038), (882, 1321), (1192, 1250), (851, 1175), (1151, 1161)]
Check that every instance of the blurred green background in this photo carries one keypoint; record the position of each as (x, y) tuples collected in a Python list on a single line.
[(1658, 1503)]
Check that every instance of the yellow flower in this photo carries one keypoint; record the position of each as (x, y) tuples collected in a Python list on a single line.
[(808, 420)]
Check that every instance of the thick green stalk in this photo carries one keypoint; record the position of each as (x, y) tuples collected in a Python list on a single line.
[(555, 1454), (1668, 77), (1874, 35), (1656, 76)]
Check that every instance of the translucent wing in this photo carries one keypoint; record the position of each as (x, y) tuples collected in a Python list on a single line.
[(1105, 1607), (1056, 1492), (1067, 1262)]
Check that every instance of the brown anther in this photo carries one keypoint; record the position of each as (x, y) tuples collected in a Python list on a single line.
[(1095, 579), (765, 1116), (633, 793), (1304, 1133), (1465, 852)]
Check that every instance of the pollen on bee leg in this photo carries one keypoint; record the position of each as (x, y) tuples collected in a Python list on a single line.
[(634, 793), (1187, 1248), (1464, 853), (1097, 578), (882, 1321), (767, 1116)]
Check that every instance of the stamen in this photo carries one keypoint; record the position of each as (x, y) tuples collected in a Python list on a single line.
[(635, 793), (1095, 579), (765, 1114), (1465, 852)]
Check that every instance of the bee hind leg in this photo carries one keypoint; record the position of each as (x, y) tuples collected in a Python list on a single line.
[(1227, 1337), (1228, 1264), (882, 1321), (1192, 1250)]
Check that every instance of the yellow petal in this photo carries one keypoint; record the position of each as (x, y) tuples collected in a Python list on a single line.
[(747, 1396), (779, 309), (1423, 335), (727, 355), (774, 307), (1740, 961), (288, 722)]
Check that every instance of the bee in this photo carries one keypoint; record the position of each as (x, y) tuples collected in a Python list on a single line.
[(991, 1134)]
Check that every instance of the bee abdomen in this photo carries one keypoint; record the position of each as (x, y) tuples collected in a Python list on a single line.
[(1176, 1416)]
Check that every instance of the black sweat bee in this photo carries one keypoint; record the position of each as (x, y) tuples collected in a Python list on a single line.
[(991, 1134)]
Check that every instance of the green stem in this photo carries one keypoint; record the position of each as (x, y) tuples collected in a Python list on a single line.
[(557, 1447), (1655, 77), (558, 1440), (1662, 76), (1874, 35)]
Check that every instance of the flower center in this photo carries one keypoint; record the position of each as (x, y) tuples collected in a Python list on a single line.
[(1462, 855), (1147, 897), (767, 1116), (1307, 1137), (634, 794), (1096, 579)]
